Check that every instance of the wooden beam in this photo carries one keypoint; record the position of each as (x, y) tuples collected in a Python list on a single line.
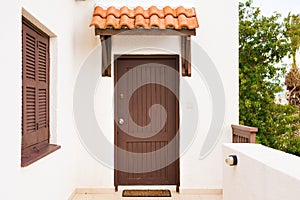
[(186, 32), (186, 56), (106, 55), (183, 61), (108, 47)]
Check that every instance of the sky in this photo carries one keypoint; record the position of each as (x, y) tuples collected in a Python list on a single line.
[(281, 6)]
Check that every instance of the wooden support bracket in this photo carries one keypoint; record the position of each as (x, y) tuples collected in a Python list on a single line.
[(106, 55), (186, 55)]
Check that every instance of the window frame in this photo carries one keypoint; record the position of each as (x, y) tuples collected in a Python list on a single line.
[(37, 145)]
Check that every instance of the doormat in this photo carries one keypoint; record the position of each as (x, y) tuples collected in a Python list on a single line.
[(146, 193)]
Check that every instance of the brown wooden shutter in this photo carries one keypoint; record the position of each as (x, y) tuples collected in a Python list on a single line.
[(43, 85), (35, 91)]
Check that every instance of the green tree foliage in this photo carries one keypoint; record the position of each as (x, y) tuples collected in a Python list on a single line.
[(262, 44), (292, 24), (292, 79)]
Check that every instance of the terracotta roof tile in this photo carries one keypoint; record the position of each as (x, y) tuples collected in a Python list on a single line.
[(126, 11), (113, 11), (182, 22), (190, 12), (99, 11), (180, 10), (170, 22), (156, 22), (112, 22), (140, 11), (153, 10), (193, 23), (187, 12), (126, 22), (99, 22), (169, 11), (140, 21), (151, 18)]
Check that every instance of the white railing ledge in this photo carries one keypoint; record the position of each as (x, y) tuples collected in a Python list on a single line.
[(278, 160), (261, 173)]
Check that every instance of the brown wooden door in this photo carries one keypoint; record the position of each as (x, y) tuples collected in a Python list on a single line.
[(146, 153)]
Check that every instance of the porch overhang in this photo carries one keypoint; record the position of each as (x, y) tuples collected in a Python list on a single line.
[(152, 21), (159, 32)]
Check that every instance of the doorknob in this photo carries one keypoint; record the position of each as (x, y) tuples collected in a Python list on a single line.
[(121, 121)]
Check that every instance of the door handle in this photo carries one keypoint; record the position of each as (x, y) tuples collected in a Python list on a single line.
[(121, 121)]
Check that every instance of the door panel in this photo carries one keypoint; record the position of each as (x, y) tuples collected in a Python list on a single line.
[(146, 139)]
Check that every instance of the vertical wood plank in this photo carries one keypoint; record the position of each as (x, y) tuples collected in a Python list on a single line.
[(144, 157), (152, 87)]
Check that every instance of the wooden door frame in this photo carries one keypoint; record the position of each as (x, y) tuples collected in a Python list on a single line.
[(177, 122)]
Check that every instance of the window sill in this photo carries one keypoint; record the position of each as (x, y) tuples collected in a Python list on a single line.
[(33, 156)]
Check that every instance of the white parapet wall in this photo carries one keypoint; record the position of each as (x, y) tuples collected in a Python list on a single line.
[(262, 173)]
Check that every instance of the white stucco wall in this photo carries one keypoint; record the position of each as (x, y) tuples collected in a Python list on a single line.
[(261, 173), (56, 176)]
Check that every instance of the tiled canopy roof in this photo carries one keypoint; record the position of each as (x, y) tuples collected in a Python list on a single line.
[(151, 18)]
